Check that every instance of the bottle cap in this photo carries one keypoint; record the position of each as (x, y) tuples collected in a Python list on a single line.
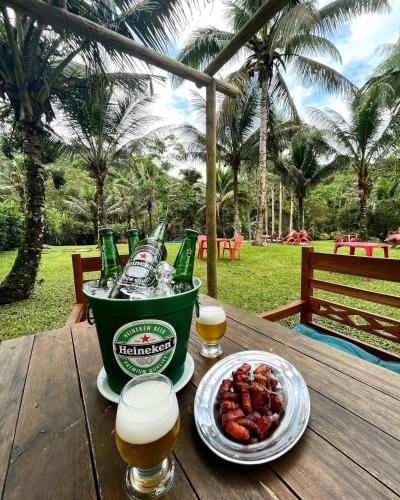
[(132, 231)]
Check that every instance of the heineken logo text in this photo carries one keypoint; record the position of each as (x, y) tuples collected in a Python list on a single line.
[(144, 346), (152, 348)]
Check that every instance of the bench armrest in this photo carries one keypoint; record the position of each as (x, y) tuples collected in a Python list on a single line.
[(77, 315), (282, 312)]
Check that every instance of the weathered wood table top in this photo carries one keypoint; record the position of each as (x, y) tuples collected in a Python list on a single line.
[(57, 431)]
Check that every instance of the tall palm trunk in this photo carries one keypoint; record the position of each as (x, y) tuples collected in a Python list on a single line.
[(99, 198), (364, 191), (266, 215), (262, 169), (291, 212), (363, 222), (236, 223), (301, 212), (280, 209), (20, 281), (272, 209)]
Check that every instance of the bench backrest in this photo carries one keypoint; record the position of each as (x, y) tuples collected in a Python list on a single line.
[(81, 265), (368, 267)]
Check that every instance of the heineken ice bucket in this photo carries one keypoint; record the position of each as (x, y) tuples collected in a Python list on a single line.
[(143, 336)]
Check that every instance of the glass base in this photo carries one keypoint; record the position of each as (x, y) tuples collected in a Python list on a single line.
[(211, 350), (152, 483)]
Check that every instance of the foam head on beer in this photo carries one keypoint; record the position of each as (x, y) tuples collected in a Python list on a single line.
[(147, 423), (211, 315), (211, 323)]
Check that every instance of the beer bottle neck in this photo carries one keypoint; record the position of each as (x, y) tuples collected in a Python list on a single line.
[(159, 232), (133, 240), (110, 263), (184, 262)]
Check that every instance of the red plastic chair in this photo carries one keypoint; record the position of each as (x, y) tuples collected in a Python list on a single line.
[(339, 238), (353, 237), (202, 242), (394, 238), (304, 237), (291, 237), (237, 243)]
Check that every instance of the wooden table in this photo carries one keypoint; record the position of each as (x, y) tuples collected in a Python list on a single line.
[(366, 245), (57, 432)]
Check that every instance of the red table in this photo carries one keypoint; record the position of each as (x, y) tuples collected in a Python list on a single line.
[(203, 244), (368, 247)]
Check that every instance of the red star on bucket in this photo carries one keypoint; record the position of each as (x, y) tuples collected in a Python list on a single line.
[(145, 338)]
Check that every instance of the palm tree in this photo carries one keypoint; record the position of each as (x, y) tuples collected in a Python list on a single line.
[(152, 181), (290, 39), (36, 64), (302, 169), (237, 137), (107, 122), (365, 139), (389, 70)]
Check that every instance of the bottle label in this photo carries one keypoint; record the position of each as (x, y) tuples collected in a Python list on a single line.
[(141, 268), (144, 346)]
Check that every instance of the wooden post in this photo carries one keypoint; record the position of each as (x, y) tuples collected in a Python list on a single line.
[(211, 190), (307, 275)]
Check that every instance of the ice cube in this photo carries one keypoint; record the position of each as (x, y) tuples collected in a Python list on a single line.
[(165, 272)]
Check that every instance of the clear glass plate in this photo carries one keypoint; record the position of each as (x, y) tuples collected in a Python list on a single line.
[(293, 424)]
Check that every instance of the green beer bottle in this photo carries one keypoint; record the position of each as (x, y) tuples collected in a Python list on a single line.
[(110, 264), (184, 262), (140, 270), (133, 239)]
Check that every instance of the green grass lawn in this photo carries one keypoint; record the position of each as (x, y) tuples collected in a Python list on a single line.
[(263, 279)]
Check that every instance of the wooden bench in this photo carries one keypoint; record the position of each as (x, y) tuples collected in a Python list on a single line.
[(80, 266), (309, 306)]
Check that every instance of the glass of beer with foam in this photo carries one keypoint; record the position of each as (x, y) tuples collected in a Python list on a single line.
[(146, 431), (211, 327)]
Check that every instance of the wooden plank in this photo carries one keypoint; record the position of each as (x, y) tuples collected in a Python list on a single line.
[(90, 264), (211, 181), (284, 311), (78, 277), (384, 380), (14, 362), (358, 293), (50, 456), (257, 21), (376, 324), (78, 313), (306, 275), (100, 415), (372, 267), (335, 435), (66, 21)]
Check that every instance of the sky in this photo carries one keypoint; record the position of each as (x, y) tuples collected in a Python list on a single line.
[(357, 43)]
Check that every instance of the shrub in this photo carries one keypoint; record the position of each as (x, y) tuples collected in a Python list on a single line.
[(385, 219), (62, 229), (324, 236), (11, 224)]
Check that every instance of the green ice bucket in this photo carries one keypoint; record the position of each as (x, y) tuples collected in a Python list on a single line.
[(143, 336)]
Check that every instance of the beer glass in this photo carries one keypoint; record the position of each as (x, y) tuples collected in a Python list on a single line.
[(146, 431), (211, 327)]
